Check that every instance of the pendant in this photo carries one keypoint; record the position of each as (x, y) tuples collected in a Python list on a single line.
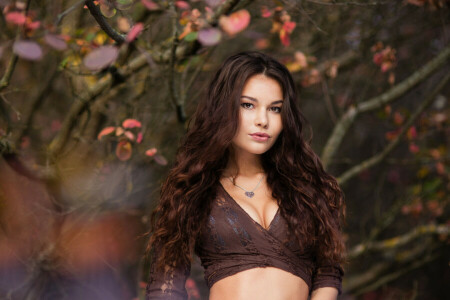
[(249, 194)]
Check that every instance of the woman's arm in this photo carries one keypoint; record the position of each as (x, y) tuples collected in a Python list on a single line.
[(325, 293), (169, 286), (327, 282)]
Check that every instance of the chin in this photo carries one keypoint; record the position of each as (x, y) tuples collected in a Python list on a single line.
[(259, 151)]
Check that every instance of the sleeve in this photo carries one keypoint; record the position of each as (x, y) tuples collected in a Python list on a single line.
[(328, 276), (167, 286)]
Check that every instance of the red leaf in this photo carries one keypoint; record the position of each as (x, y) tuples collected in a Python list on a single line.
[(131, 123), (413, 148), (101, 57), (390, 135), (106, 131), (150, 5), (129, 135), (412, 133), (134, 32), (235, 22), (151, 152), (440, 168), (16, 18), (182, 5), (398, 118), (140, 137), (265, 12), (289, 26), (33, 25), (123, 150), (55, 41), (27, 49)]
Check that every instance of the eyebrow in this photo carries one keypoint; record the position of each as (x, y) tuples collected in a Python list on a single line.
[(256, 100)]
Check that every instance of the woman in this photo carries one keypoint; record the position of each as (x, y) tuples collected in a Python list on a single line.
[(249, 196)]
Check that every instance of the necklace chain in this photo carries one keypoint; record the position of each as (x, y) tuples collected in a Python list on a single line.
[(247, 193)]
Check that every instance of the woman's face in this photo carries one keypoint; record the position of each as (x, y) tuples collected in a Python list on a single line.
[(260, 114)]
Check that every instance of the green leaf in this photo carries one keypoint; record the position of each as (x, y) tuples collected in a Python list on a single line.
[(191, 36)]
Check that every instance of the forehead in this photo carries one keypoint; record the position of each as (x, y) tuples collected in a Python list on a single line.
[(263, 88)]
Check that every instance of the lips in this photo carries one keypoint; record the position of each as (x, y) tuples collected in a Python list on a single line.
[(260, 134)]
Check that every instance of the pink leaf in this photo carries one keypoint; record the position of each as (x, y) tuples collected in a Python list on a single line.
[(101, 57), (27, 49), (129, 135), (213, 3), (150, 152), (150, 5), (289, 26), (413, 148), (412, 133), (134, 32), (140, 137), (160, 159), (16, 18), (265, 12), (235, 22), (33, 25), (209, 37), (106, 131), (131, 123), (123, 150), (55, 41), (182, 5)]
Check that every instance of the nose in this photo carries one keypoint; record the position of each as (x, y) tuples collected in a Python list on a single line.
[(261, 118)]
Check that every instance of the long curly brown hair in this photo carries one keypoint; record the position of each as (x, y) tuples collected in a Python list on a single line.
[(309, 199)]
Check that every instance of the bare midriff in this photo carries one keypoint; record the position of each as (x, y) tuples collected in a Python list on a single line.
[(268, 283)]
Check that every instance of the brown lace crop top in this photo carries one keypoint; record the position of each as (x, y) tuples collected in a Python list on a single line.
[(234, 242)]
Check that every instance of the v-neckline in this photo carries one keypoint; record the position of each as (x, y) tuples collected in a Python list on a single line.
[(240, 207)]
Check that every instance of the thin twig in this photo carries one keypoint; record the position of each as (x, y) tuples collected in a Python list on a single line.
[(96, 13), (34, 106), (328, 102), (172, 91), (61, 16)]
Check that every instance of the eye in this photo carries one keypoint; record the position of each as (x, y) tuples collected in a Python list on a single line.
[(277, 109), (246, 105)]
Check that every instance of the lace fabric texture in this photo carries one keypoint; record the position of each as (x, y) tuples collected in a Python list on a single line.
[(233, 242)]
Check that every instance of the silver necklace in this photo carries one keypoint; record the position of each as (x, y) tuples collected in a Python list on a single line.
[(247, 193)]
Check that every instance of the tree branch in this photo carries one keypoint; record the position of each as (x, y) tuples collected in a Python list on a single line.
[(392, 94), (380, 156), (334, 3), (124, 72), (364, 280), (4, 82), (399, 241), (172, 91), (34, 106), (95, 12)]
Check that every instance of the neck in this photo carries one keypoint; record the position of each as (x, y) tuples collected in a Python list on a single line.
[(244, 164)]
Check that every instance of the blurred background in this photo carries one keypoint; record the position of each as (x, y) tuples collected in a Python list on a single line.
[(95, 96)]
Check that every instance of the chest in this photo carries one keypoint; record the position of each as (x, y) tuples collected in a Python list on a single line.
[(261, 207)]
